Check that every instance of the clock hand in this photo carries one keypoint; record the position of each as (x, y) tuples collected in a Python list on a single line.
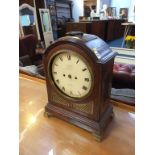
[(69, 76), (86, 79), (79, 93), (77, 61), (69, 57), (84, 88), (84, 69)]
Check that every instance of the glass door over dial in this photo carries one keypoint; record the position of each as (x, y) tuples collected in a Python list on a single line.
[(71, 74)]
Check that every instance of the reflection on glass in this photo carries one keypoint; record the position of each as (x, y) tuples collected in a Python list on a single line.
[(45, 21), (25, 20), (31, 102), (26, 13), (32, 119), (50, 152), (132, 115)]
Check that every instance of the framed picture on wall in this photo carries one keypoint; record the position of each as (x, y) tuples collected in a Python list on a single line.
[(111, 11), (46, 26), (52, 10), (123, 13)]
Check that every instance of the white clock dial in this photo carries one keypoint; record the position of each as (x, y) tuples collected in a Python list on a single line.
[(71, 74)]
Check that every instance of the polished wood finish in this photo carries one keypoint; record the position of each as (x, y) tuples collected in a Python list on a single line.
[(114, 29), (100, 59), (119, 29), (30, 2), (84, 27), (99, 28), (122, 105), (42, 135), (39, 4), (108, 30)]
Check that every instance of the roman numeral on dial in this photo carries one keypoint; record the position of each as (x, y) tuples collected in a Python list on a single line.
[(54, 72), (77, 61), (63, 88), (84, 69), (86, 79), (84, 88), (68, 57), (57, 81), (61, 58)]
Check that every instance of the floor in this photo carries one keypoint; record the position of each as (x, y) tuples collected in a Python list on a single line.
[(40, 135), (116, 43)]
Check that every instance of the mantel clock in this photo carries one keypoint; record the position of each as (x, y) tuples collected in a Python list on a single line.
[(78, 73)]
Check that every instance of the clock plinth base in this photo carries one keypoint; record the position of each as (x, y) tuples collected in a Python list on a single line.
[(99, 136), (47, 114), (95, 127)]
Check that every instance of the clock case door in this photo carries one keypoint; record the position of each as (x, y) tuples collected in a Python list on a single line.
[(92, 111)]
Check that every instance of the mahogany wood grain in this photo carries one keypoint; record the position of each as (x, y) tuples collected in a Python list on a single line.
[(99, 28), (101, 64), (108, 30), (84, 27)]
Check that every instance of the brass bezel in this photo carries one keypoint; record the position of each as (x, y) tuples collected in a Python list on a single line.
[(50, 62)]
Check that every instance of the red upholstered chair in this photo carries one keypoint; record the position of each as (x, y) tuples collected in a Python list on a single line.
[(123, 76), (123, 83)]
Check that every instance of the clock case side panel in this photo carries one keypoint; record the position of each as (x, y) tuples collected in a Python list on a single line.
[(91, 98), (105, 68), (107, 73)]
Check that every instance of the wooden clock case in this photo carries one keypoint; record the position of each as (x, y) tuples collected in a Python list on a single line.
[(93, 111)]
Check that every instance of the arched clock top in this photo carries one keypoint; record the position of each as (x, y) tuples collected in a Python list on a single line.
[(91, 45)]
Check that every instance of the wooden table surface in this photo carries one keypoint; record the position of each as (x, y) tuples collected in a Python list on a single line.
[(40, 135)]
